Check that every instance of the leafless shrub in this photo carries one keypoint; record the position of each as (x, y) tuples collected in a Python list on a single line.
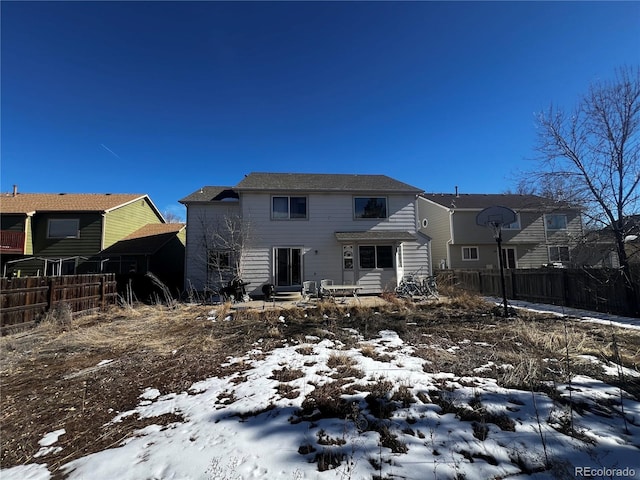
[(60, 316), (327, 400), (328, 459), (287, 391), (404, 396), (287, 374), (391, 441)]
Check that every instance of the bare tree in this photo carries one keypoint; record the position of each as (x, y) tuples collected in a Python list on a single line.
[(171, 217), (592, 155), (224, 246)]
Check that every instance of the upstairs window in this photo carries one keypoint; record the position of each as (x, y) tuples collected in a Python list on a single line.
[(556, 221), (286, 208), (63, 228), (513, 226), (370, 207)]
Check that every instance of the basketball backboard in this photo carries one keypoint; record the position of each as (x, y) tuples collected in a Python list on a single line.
[(496, 216)]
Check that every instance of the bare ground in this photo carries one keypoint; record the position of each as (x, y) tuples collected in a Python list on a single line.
[(55, 376)]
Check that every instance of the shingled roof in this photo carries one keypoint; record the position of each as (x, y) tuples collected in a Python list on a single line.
[(323, 182), (26, 203), (211, 194), (479, 201), (146, 240)]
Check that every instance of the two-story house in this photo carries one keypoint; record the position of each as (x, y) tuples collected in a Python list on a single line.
[(352, 229), (544, 234), (63, 234)]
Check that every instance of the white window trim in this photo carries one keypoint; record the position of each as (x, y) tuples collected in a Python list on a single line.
[(289, 197), (549, 247), (470, 259), (375, 257), (353, 205), (77, 228), (515, 255)]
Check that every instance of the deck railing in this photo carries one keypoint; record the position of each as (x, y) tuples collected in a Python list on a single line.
[(11, 242)]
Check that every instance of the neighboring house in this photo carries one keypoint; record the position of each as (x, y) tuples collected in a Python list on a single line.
[(62, 234), (157, 247), (598, 249), (544, 234), (352, 229)]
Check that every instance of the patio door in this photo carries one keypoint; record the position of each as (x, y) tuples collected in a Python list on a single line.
[(509, 257), (288, 266)]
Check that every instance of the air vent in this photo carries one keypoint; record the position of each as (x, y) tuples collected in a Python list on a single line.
[(425, 223)]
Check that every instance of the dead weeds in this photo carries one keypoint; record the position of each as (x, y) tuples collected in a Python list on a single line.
[(79, 374)]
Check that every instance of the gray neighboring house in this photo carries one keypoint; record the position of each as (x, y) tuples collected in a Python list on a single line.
[(353, 229), (545, 233)]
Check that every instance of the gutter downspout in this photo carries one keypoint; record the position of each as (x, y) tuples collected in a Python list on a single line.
[(451, 240), (104, 232)]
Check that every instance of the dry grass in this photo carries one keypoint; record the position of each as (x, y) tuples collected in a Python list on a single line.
[(51, 378)]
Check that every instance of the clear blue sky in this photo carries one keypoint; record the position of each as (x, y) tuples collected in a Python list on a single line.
[(162, 97)]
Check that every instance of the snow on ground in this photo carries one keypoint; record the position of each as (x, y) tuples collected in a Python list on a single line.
[(584, 315), (439, 427)]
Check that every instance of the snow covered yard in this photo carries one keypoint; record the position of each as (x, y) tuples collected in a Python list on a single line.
[(438, 392)]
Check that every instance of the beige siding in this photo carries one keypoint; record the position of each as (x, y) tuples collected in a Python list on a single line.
[(322, 253), (127, 219), (438, 229), (201, 219), (531, 241)]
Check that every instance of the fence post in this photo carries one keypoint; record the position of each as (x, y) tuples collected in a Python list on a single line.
[(102, 291), (51, 293), (566, 300)]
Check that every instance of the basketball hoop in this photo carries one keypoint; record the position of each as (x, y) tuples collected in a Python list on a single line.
[(494, 218)]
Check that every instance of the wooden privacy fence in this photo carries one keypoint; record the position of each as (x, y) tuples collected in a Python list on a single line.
[(596, 289), (23, 301)]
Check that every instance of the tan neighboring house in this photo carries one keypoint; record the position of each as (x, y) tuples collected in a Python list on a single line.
[(68, 233), (544, 234)]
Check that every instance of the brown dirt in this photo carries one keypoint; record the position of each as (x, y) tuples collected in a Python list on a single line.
[(50, 378)]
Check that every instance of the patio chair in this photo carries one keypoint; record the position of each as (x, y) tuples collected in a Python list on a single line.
[(309, 290), (323, 283)]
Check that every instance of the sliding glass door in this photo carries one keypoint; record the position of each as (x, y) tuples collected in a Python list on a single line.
[(288, 266)]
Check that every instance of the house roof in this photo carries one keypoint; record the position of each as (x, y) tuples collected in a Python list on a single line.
[(479, 201), (376, 235), (211, 194), (324, 182), (26, 203), (145, 241)]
